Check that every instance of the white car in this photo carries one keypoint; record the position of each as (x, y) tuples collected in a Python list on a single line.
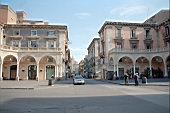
[(78, 80)]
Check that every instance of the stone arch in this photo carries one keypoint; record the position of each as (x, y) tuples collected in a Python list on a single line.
[(9, 71), (128, 56), (27, 56), (28, 67), (143, 64), (47, 67), (158, 68), (48, 56), (125, 65), (141, 56)]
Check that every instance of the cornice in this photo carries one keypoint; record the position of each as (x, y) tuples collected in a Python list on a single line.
[(23, 26), (121, 24)]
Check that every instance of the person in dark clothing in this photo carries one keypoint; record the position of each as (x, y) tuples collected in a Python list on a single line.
[(126, 78), (136, 77)]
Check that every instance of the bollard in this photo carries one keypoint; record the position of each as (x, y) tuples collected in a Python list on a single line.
[(50, 82)]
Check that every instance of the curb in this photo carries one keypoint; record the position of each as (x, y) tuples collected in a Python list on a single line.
[(19, 88), (132, 84)]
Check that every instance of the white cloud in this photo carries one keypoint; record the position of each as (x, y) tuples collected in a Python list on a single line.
[(129, 10)]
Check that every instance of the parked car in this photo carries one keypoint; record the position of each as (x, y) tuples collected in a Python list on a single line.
[(78, 79)]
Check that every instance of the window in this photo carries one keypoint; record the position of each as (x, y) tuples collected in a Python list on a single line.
[(16, 33), (119, 45), (118, 32), (51, 44), (147, 33), (133, 33), (134, 46), (33, 44), (167, 31), (33, 33), (148, 46), (51, 33), (15, 43)]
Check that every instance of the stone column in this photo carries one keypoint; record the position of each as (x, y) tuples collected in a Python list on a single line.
[(1, 67), (117, 70), (166, 74), (61, 70), (17, 77), (150, 68), (134, 69), (38, 71), (114, 70), (57, 72)]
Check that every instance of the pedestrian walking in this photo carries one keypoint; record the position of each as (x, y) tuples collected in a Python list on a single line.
[(126, 79), (136, 77)]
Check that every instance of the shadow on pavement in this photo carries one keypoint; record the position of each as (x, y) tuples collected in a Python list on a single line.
[(100, 104)]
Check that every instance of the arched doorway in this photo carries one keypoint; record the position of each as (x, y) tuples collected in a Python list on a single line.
[(168, 66), (125, 65), (143, 64), (50, 71), (47, 67), (32, 72), (157, 67), (28, 67), (9, 68), (13, 72)]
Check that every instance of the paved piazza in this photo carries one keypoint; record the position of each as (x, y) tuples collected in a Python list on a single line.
[(93, 97)]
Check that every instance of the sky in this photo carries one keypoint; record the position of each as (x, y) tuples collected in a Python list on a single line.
[(84, 18)]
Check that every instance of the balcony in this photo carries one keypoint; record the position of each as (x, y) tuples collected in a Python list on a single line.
[(118, 39), (134, 39), (15, 37), (148, 39), (138, 51), (28, 49), (51, 36), (33, 37)]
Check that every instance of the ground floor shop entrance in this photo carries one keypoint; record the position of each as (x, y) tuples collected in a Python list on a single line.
[(50, 71), (32, 72)]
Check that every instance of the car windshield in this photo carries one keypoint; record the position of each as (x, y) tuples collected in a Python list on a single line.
[(79, 77)]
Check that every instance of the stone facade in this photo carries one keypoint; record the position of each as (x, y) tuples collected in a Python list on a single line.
[(135, 48), (93, 58), (33, 51)]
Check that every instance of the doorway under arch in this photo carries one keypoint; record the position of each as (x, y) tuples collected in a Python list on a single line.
[(32, 72), (13, 72), (50, 71)]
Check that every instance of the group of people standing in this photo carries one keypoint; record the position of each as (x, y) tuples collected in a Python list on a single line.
[(136, 78)]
